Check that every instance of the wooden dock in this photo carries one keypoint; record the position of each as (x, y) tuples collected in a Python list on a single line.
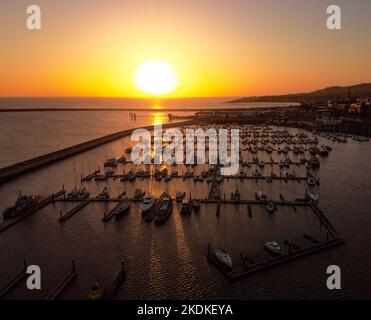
[(296, 202), (115, 284), (235, 274), (108, 216), (71, 213), (325, 221), (65, 281), (13, 281)]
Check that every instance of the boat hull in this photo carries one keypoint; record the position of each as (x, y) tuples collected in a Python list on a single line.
[(162, 214)]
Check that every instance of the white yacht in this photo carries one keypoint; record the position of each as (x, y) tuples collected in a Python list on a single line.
[(311, 182), (262, 196), (273, 247), (222, 257)]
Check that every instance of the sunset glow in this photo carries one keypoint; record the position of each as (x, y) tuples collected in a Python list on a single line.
[(156, 77), (233, 49)]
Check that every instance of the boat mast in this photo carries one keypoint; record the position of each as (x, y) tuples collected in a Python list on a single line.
[(74, 173)]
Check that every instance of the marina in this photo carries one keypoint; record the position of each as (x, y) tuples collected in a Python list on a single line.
[(185, 157), (262, 189)]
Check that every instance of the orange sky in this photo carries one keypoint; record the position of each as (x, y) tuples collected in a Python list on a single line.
[(219, 48)]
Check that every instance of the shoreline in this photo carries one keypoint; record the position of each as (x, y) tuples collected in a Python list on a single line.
[(4, 110)]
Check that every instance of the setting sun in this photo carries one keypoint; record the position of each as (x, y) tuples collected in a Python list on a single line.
[(156, 77)]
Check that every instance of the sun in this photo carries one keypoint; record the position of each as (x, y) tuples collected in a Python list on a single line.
[(156, 77)]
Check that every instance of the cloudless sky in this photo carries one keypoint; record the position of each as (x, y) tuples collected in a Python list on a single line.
[(219, 48)]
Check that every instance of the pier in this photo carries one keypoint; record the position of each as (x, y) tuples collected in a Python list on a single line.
[(72, 212), (13, 281), (65, 281), (116, 282), (238, 273), (294, 250), (108, 216)]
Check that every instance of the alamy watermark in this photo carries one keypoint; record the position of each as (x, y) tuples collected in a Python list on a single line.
[(333, 21), (175, 147)]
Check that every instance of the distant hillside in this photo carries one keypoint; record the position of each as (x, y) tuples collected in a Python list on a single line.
[(359, 90)]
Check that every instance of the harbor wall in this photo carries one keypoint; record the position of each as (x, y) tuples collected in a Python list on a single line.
[(17, 169)]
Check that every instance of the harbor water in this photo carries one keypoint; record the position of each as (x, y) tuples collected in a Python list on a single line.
[(169, 261)]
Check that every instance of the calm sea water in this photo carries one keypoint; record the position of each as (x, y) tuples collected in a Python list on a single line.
[(170, 261)]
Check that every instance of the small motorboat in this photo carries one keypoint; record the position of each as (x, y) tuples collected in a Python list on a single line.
[(147, 204), (270, 207), (122, 159), (164, 208), (82, 194), (311, 182), (262, 196), (131, 175), (109, 172), (72, 194), (104, 194), (186, 206), (179, 196), (196, 205), (273, 247), (217, 194), (96, 291), (110, 162), (236, 196), (221, 257), (312, 196)]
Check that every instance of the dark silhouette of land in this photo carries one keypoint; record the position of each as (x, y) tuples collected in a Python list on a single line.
[(359, 90)]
